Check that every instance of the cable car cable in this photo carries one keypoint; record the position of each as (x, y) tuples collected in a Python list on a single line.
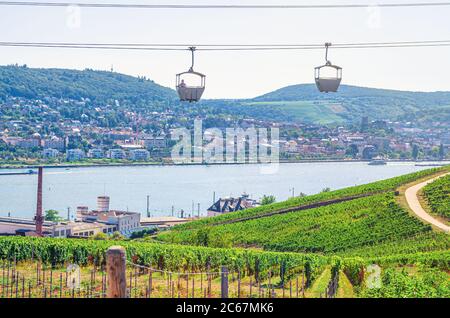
[(228, 45), (221, 6), (176, 47)]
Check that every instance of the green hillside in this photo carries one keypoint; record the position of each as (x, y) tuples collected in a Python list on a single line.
[(98, 86), (357, 218), (302, 111), (297, 103), (352, 102)]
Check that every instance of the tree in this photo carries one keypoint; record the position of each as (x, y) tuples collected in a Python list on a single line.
[(117, 236), (353, 150), (268, 199), (441, 152), (415, 152), (100, 236), (327, 189), (143, 233), (52, 215)]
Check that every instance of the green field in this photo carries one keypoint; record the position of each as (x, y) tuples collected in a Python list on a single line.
[(304, 111)]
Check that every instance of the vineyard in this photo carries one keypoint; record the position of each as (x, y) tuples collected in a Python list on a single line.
[(36, 267), (374, 187), (338, 249), (329, 229), (437, 196)]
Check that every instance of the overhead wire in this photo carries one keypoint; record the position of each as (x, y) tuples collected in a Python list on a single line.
[(222, 6), (225, 47)]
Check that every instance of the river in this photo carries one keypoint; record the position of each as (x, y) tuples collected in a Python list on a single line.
[(180, 186)]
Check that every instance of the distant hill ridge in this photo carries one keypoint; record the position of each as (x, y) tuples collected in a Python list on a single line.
[(309, 92), (298, 103), (99, 86)]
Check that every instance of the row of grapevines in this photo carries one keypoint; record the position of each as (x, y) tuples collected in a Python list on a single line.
[(436, 259), (426, 283), (422, 242), (160, 256)]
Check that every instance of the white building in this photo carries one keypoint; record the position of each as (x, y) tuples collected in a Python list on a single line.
[(54, 143), (123, 221), (50, 153), (75, 154), (116, 154), (96, 153), (155, 142), (139, 155)]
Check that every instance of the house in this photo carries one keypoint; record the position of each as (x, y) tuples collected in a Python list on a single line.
[(139, 155), (227, 205), (116, 154), (155, 142), (54, 143), (50, 153), (95, 153), (74, 154)]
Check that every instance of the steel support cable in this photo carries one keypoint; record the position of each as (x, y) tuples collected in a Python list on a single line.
[(221, 6), (150, 47)]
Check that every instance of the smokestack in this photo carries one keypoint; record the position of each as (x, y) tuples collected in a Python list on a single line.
[(39, 219)]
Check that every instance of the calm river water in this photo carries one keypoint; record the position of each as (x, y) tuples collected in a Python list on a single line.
[(180, 186)]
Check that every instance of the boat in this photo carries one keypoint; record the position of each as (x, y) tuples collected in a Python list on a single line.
[(377, 162)]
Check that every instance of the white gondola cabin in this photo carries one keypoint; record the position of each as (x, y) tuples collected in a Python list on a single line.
[(190, 92), (328, 77)]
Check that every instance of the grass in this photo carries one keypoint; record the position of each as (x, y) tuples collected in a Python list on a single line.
[(317, 290), (345, 289)]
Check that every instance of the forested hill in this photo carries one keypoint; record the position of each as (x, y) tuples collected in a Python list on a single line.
[(309, 92), (297, 103), (98, 86), (352, 102)]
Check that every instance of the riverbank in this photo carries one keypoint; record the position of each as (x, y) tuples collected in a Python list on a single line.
[(425, 163)]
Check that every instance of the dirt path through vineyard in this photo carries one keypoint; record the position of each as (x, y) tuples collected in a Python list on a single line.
[(414, 203)]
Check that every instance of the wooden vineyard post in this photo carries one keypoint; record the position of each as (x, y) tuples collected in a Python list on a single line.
[(60, 285), (224, 282), (150, 283), (116, 275), (303, 285), (239, 284)]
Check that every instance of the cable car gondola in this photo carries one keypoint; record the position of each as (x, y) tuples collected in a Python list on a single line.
[(190, 93), (328, 77)]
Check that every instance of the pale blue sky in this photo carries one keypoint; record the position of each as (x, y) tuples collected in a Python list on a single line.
[(241, 74)]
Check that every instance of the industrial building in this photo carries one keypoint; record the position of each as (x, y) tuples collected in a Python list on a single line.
[(124, 221), (87, 223)]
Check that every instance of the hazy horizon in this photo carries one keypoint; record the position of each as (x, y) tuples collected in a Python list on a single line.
[(236, 75)]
